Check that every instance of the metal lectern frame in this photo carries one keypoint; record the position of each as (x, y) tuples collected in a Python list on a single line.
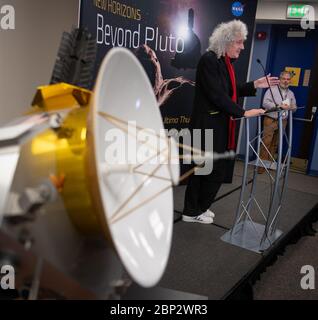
[(245, 232)]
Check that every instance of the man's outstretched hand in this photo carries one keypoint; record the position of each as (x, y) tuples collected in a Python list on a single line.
[(263, 83)]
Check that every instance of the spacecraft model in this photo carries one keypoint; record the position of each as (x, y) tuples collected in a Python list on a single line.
[(83, 166)]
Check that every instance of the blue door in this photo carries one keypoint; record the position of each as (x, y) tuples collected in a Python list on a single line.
[(296, 52)]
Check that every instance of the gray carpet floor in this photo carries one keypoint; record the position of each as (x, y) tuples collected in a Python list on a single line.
[(282, 280), (200, 263)]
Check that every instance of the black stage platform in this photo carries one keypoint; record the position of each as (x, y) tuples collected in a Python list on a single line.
[(201, 266)]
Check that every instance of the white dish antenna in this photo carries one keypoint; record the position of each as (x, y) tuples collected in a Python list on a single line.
[(135, 173)]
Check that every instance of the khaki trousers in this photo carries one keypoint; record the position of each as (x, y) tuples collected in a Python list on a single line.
[(270, 138)]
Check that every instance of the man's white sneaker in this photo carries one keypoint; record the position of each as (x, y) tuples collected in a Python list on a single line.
[(209, 213), (200, 219)]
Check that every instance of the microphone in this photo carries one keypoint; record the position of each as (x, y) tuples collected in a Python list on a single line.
[(276, 105)]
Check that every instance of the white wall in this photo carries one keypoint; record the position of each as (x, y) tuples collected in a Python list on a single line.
[(275, 11), (27, 54)]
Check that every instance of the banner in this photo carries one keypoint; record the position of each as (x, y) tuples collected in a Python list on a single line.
[(168, 37)]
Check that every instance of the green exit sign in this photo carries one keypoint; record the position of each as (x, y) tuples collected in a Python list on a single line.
[(297, 11)]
